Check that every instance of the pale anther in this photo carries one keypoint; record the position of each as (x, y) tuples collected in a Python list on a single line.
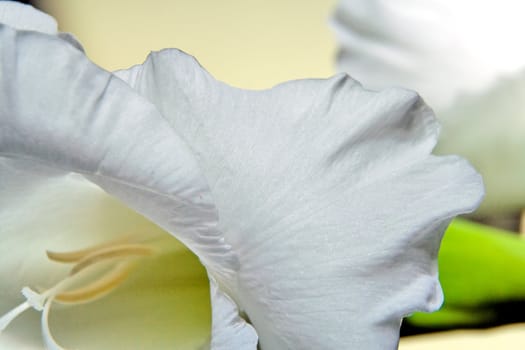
[(119, 251), (124, 251), (98, 288), (77, 255)]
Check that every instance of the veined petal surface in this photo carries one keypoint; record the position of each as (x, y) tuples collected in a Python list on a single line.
[(109, 124), (163, 304), (327, 193), (466, 60), (59, 109)]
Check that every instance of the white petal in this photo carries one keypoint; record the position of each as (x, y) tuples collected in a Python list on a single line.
[(229, 330), (42, 209), (328, 194), (59, 109), (470, 72), (164, 304), (25, 17)]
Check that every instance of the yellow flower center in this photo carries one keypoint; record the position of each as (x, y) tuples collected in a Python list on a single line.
[(120, 254), (95, 272)]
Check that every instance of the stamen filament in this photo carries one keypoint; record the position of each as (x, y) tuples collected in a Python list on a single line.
[(90, 261), (124, 250), (51, 344), (6, 319), (37, 300), (98, 288)]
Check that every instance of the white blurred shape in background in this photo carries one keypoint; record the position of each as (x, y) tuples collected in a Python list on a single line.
[(467, 59)]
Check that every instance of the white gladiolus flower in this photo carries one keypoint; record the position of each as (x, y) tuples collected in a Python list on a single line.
[(315, 207), (467, 61)]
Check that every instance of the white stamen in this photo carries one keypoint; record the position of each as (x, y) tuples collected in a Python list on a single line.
[(34, 299), (50, 342), (92, 262), (11, 315)]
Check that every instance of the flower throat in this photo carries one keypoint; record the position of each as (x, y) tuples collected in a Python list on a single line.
[(96, 271)]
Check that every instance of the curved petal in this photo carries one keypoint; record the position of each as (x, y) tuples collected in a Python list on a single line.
[(59, 109), (327, 193), (229, 330), (472, 78), (440, 48), (25, 17), (164, 303), (44, 209)]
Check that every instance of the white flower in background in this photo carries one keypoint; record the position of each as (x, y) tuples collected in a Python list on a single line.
[(467, 60), (315, 207)]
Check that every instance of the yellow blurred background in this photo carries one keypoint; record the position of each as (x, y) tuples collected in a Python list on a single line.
[(246, 43)]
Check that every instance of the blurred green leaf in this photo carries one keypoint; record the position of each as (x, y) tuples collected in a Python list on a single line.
[(480, 266), (450, 317)]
